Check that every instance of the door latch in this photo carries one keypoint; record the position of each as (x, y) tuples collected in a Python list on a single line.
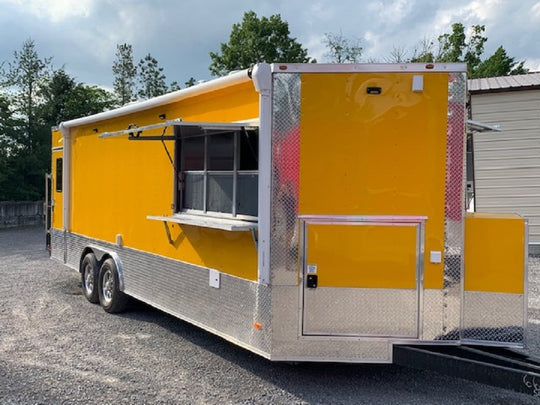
[(311, 281)]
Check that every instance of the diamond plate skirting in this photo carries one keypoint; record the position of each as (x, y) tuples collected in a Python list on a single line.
[(357, 306), (57, 245), (503, 323), (183, 290)]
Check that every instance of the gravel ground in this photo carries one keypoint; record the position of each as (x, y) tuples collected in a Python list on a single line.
[(56, 348)]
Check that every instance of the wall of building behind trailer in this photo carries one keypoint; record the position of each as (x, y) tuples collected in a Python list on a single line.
[(507, 163), (20, 213)]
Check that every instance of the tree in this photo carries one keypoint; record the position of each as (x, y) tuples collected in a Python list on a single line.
[(34, 99), (25, 142), (25, 77), (64, 99), (151, 78), (425, 54), (89, 100), (124, 72), (56, 96), (174, 86), (8, 131), (458, 47), (342, 49), (475, 48), (191, 82), (398, 55), (499, 64), (257, 40), (454, 47)]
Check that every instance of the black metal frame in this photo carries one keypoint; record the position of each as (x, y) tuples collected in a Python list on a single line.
[(495, 366)]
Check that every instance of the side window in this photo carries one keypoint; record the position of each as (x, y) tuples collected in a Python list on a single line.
[(58, 175), (219, 173)]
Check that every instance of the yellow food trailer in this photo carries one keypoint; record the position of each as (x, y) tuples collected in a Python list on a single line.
[(302, 211)]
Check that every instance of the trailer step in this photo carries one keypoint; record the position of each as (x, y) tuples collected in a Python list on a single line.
[(495, 366)]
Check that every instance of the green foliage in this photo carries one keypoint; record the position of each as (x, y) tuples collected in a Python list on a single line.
[(151, 78), (425, 54), (174, 86), (64, 99), (26, 75), (34, 99), (25, 144), (257, 40), (124, 72), (499, 64), (458, 47), (475, 48), (191, 82), (342, 49), (8, 131)]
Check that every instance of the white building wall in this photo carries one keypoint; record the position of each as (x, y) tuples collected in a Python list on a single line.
[(507, 163)]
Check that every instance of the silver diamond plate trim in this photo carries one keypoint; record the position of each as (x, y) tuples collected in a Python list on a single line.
[(391, 307), (454, 207), (285, 174), (503, 322), (432, 319), (183, 290), (288, 345), (57, 245)]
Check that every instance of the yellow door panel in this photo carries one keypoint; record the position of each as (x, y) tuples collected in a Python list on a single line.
[(494, 253), (363, 255)]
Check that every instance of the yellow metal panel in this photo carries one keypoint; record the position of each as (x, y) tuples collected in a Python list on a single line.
[(116, 183), (364, 154), (57, 140), (367, 256), (494, 253), (58, 152)]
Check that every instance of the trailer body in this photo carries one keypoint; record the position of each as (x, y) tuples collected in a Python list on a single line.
[(302, 211)]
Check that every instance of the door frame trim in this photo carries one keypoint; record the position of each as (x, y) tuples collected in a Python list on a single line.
[(419, 221)]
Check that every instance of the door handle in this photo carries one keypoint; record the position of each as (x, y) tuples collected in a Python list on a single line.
[(311, 281)]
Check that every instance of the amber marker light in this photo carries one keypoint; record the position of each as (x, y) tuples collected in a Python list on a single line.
[(257, 326)]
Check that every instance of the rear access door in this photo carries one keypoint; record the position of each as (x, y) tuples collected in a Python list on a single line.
[(362, 276)]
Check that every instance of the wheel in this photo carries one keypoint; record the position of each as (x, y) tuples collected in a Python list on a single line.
[(110, 297), (89, 278)]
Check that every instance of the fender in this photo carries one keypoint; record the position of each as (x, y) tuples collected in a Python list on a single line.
[(101, 252)]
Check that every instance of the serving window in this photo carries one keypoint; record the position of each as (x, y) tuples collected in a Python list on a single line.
[(217, 171)]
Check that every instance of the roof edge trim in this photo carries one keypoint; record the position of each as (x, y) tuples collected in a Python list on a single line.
[(206, 87)]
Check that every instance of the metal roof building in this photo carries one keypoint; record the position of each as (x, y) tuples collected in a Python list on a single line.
[(507, 163)]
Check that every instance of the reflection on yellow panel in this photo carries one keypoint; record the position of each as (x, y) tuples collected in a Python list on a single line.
[(367, 256), (494, 253)]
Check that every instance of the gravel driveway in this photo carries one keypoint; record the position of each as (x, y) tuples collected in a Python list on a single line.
[(57, 348)]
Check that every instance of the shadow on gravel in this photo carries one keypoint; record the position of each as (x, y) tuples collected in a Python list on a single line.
[(314, 383)]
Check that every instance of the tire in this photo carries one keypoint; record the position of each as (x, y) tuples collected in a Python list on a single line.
[(89, 278), (110, 297)]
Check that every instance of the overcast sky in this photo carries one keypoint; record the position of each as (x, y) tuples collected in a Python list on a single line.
[(82, 35)]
